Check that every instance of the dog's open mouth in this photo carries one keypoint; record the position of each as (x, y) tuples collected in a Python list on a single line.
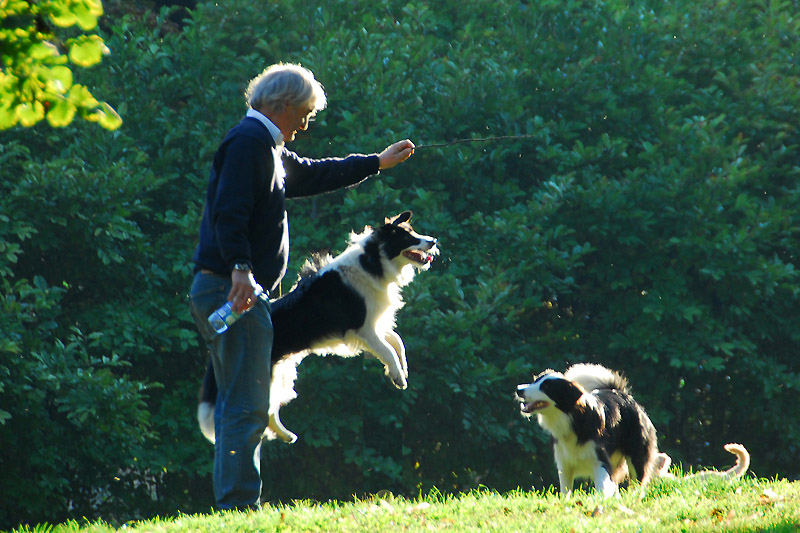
[(531, 407), (419, 256)]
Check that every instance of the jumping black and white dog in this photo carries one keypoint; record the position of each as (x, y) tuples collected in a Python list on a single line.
[(599, 431), (342, 306)]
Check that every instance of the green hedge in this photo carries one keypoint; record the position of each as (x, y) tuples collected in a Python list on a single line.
[(645, 217)]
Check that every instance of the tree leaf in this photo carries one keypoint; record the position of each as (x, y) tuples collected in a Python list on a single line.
[(87, 50), (29, 113), (42, 50), (109, 118), (87, 13), (61, 114), (61, 15), (59, 79), (81, 97), (7, 117)]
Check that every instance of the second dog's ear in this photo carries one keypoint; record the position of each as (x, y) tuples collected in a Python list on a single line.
[(405, 216)]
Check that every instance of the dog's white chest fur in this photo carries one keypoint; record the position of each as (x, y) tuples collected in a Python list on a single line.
[(382, 297), (579, 459)]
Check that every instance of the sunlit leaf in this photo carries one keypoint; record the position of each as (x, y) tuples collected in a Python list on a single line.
[(61, 15), (7, 118), (42, 50), (60, 79), (87, 51), (109, 118), (30, 113), (87, 13), (81, 97), (61, 113)]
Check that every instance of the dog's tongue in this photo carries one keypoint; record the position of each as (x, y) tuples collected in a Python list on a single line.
[(530, 407), (419, 256)]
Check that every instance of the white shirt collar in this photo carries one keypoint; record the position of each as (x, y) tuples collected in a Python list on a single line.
[(273, 129)]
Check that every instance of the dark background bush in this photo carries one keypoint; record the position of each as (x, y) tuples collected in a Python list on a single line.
[(645, 218)]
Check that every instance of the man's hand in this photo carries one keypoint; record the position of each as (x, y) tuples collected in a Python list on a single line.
[(243, 291), (396, 153)]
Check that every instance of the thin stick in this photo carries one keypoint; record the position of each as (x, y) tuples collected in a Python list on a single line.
[(479, 139)]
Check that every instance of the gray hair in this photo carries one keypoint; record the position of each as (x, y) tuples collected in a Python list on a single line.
[(285, 82)]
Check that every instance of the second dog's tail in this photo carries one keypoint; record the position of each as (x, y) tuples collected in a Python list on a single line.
[(742, 462), (734, 472), (663, 462)]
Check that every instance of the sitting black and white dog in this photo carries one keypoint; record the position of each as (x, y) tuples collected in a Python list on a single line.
[(599, 431), (343, 306)]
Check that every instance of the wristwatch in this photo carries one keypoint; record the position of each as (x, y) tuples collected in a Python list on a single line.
[(244, 267)]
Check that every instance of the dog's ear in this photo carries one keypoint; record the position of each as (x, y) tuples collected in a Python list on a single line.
[(405, 216), (564, 393), (537, 377)]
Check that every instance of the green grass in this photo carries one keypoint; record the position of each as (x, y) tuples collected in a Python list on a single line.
[(669, 505)]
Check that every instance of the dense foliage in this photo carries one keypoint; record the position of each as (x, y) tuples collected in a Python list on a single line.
[(644, 217)]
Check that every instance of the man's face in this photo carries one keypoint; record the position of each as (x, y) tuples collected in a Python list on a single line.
[(293, 118)]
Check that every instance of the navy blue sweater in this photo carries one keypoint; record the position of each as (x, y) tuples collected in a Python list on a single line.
[(244, 220)]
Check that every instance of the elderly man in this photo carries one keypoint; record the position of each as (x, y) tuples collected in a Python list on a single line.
[(244, 244)]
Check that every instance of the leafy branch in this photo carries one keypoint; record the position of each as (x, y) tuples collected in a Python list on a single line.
[(36, 82)]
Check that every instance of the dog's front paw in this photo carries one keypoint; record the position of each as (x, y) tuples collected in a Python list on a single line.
[(279, 430), (400, 382), (397, 375)]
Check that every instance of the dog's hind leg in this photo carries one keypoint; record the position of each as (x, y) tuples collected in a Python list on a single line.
[(279, 429), (387, 355), (207, 403), (662, 464), (565, 481), (397, 343), (205, 416), (603, 482), (281, 392)]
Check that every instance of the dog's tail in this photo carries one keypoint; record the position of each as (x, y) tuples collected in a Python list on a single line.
[(591, 377), (206, 402), (663, 462), (742, 460), (734, 472)]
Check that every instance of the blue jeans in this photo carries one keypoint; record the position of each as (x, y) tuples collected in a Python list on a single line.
[(242, 359)]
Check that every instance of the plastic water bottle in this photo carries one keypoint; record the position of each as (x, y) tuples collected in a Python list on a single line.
[(225, 316)]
